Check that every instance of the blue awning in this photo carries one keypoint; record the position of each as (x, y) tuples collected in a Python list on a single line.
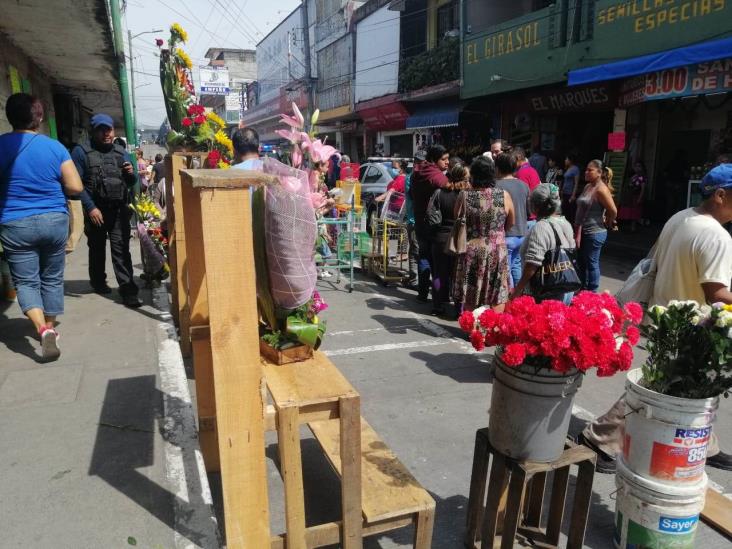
[(698, 53), (434, 116)]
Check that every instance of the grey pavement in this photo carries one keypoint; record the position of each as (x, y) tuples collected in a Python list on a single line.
[(82, 457)]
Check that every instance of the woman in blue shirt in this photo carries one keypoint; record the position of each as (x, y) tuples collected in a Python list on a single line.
[(36, 174)]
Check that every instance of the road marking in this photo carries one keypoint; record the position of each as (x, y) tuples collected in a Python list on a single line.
[(364, 330), (387, 347), (194, 519)]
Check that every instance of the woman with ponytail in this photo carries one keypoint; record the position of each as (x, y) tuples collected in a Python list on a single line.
[(596, 213)]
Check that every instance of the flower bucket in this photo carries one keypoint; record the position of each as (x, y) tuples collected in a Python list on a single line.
[(666, 437), (530, 411)]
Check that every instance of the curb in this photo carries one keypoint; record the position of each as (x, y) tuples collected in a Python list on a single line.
[(195, 523)]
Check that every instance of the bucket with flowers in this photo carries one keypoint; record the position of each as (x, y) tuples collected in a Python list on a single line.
[(153, 239), (543, 351)]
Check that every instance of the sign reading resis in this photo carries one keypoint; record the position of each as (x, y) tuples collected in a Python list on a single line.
[(702, 78)]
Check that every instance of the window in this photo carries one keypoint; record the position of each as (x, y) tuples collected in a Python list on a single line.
[(448, 19), (373, 175)]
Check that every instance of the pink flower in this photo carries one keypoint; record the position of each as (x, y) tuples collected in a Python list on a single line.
[(297, 121), (296, 157), (290, 135), (318, 151)]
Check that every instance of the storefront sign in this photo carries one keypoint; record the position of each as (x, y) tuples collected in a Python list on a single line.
[(573, 99), (214, 80), (616, 141), (702, 78), (392, 116), (631, 28)]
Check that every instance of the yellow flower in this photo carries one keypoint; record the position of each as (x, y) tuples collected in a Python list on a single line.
[(728, 308), (184, 58), (223, 140), (177, 30), (216, 119), (223, 165)]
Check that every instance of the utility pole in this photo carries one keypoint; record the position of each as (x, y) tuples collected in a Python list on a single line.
[(308, 64), (119, 50), (132, 86)]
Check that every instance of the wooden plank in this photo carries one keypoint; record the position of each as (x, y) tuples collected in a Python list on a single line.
[(514, 504), (556, 504), (177, 235), (229, 179), (199, 320), (237, 371), (329, 533), (288, 437), (718, 512), (478, 479), (350, 454), (573, 454), (581, 505), (388, 490), (311, 381), (423, 527), (535, 500), (323, 411), (496, 500)]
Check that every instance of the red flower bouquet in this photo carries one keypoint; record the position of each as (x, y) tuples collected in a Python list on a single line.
[(592, 332)]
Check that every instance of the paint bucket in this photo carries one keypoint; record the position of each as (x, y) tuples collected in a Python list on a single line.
[(652, 514), (530, 411), (666, 437)]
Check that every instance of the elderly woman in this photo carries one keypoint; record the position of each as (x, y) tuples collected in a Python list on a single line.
[(546, 204)]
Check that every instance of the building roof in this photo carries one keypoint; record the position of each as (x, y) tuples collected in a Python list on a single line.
[(210, 51)]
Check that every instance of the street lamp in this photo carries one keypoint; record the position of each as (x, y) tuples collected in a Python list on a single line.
[(130, 36)]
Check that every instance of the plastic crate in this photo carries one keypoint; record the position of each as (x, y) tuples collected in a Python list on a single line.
[(361, 244)]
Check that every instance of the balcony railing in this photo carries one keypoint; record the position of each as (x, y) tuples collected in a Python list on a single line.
[(435, 66), (335, 96)]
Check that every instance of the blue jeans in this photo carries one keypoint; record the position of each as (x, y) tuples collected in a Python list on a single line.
[(35, 248), (589, 259), (513, 243), (424, 262)]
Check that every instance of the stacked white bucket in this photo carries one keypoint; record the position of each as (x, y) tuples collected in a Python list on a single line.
[(660, 478)]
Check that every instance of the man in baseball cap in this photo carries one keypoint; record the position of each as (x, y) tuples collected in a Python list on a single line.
[(108, 175), (719, 177)]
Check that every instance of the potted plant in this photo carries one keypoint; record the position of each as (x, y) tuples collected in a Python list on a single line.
[(671, 401), (543, 351)]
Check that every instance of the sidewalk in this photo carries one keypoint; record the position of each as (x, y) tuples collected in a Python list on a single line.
[(96, 447)]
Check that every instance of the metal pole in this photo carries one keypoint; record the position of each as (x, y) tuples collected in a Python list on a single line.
[(119, 49), (132, 85), (308, 63)]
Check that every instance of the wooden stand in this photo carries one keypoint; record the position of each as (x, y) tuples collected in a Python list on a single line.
[(377, 492), (516, 498), (177, 252)]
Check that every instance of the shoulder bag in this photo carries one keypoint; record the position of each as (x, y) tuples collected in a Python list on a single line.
[(639, 285), (433, 215), (557, 274), (457, 244)]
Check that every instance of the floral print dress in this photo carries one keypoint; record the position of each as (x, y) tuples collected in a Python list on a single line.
[(481, 276)]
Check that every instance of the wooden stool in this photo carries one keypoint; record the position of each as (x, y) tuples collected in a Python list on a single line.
[(516, 496)]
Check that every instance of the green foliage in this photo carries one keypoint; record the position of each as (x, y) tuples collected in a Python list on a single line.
[(435, 66), (689, 350)]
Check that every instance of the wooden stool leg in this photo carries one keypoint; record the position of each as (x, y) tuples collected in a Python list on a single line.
[(478, 479), (350, 418), (535, 501), (288, 434), (423, 526), (581, 507), (556, 509), (496, 500), (513, 507)]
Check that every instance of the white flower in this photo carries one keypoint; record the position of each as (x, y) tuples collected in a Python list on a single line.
[(695, 320), (705, 310), (674, 303), (658, 309), (729, 333), (726, 318), (712, 375), (479, 311)]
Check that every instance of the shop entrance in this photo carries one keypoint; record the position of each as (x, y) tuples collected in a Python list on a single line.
[(584, 133)]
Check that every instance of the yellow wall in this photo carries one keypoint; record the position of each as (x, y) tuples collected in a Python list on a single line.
[(432, 6)]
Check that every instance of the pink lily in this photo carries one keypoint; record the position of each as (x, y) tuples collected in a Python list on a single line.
[(297, 121), (298, 115), (290, 135), (296, 156), (320, 152)]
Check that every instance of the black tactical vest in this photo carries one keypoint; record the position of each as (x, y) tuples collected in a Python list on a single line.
[(103, 175)]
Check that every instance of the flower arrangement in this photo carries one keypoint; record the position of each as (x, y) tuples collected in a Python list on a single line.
[(191, 126), (592, 332), (152, 237), (689, 349), (301, 326)]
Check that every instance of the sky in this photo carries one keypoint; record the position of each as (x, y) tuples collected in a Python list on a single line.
[(209, 23)]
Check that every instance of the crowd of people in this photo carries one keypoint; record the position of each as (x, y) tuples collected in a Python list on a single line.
[(513, 214)]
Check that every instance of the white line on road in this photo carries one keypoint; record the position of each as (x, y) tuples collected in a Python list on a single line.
[(364, 330), (387, 347)]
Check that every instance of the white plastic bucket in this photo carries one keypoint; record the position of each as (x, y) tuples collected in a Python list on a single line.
[(651, 514), (666, 437)]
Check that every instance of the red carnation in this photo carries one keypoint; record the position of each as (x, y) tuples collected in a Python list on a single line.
[(467, 321), (514, 354), (633, 335), (187, 122), (634, 311), (200, 119), (478, 340)]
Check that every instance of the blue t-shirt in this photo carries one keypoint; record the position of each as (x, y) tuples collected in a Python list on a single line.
[(569, 176), (32, 185)]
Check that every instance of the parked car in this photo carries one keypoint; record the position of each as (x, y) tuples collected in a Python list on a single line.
[(374, 176)]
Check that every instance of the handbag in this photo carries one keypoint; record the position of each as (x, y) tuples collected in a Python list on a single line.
[(457, 244), (557, 274), (433, 215), (639, 285)]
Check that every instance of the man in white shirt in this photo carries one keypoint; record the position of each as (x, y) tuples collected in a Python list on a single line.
[(694, 259), (246, 149)]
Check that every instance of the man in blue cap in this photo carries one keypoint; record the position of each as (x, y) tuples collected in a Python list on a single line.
[(693, 262), (107, 172)]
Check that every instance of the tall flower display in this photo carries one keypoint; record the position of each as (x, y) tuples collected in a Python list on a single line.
[(191, 126)]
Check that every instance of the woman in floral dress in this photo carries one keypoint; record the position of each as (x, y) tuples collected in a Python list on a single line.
[(481, 276)]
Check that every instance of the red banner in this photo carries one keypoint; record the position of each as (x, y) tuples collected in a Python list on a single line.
[(391, 116)]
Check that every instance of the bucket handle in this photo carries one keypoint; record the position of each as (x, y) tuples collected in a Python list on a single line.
[(636, 410), (613, 494)]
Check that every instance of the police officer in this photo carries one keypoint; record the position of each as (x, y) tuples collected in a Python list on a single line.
[(107, 172)]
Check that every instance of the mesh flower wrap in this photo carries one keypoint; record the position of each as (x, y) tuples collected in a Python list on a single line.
[(290, 232)]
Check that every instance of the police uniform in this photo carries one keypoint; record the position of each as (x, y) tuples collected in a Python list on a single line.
[(106, 187)]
